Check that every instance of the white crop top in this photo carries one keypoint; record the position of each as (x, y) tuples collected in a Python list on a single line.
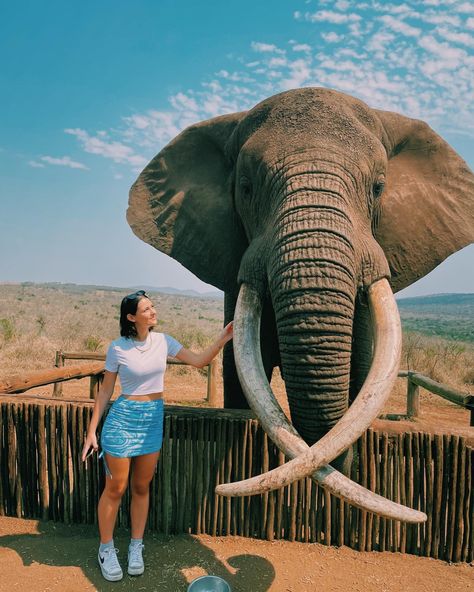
[(141, 365)]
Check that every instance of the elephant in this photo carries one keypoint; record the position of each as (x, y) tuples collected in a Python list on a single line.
[(309, 211)]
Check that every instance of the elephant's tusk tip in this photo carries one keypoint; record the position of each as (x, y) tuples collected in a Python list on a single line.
[(223, 489), (421, 518)]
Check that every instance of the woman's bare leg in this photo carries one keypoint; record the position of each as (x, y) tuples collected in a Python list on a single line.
[(110, 499), (143, 469)]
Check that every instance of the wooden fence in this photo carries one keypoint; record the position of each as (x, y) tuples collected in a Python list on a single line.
[(42, 476), (21, 383), (415, 380)]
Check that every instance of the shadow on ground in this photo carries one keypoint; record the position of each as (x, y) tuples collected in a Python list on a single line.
[(168, 560)]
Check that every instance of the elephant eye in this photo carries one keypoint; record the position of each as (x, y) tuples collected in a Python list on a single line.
[(377, 189), (245, 187)]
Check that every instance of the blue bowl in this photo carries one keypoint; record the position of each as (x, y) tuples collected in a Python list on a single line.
[(209, 584)]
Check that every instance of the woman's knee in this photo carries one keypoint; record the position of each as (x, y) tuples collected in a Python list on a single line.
[(140, 486), (115, 489)]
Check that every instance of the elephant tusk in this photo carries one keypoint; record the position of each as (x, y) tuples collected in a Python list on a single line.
[(368, 404), (279, 429)]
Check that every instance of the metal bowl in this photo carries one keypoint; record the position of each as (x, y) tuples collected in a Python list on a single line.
[(209, 584)]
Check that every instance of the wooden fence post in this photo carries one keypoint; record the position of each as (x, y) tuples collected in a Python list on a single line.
[(212, 384), (58, 386), (96, 381), (413, 398)]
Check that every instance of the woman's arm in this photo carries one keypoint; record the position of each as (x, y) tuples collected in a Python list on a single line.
[(105, 392), (201, 359)]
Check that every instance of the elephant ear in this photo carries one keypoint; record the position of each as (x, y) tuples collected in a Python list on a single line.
[(181, 203), (427, 208)]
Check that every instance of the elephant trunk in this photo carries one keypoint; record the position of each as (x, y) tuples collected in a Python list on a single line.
[(312, 280)]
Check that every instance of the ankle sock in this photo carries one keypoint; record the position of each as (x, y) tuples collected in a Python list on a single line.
[(104, 546), (134, 542)]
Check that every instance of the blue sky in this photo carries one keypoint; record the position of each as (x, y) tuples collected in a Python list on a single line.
[(93, 90)]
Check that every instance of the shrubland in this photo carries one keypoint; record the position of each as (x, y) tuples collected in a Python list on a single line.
[(38, 319)]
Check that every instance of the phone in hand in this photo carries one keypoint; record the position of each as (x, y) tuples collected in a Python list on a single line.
[(90, 453)]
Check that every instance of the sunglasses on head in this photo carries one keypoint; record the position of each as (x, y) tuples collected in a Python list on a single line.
[(136, 295)]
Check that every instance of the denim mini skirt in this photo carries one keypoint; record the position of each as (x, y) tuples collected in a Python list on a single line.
[(133, 428)]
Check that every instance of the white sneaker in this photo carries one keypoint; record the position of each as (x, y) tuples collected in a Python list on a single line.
[(135, 560), (109, 565)]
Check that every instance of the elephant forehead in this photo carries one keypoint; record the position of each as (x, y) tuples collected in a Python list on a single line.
[(304, 119), (285, 131)]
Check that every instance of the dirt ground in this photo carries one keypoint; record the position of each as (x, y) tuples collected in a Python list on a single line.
[(47, 557)]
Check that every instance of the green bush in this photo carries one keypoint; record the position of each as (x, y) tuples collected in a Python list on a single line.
[(41, 322), (93, 343), (7, 329)]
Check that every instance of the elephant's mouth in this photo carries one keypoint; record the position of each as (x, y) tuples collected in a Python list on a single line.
[(313, 461)]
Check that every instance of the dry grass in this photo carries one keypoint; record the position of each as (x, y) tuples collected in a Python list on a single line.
[(37, 319), (443, 360)]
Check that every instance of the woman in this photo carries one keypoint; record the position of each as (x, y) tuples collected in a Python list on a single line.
[(133, 430)]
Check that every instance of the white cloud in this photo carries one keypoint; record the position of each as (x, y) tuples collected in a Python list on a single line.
[(400, 27), (338, 65), (335, 18), (443, 50), (379, 42), (182, 101), (356, 31), (461, 38), (139, 121), (402, 10), (439, 19), (302, 47), (342, 5), (470, 23), (117, 151), (265, 47), (63, 161), (35, 164), (439, 2), (277, 62), (352, 54), (234, 76), (465, 7), (332, 37), (300, 72)]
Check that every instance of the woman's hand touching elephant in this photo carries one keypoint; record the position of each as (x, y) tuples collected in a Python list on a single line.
[(227, 333), (203, 358)]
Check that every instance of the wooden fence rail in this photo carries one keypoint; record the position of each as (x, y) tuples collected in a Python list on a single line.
[(21, 383), (415, 380), (41, 476)]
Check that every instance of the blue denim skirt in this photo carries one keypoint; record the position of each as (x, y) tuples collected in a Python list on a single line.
[(133, 428)]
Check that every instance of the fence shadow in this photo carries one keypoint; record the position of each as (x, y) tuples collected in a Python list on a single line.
[(167, 559)]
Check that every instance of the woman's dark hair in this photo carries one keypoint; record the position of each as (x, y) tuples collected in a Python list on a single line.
[(128, 306)]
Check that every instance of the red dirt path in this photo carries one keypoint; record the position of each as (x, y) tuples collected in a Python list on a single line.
[(47, 557)]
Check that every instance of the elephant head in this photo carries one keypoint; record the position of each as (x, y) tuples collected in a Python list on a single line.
[(311, 203)]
